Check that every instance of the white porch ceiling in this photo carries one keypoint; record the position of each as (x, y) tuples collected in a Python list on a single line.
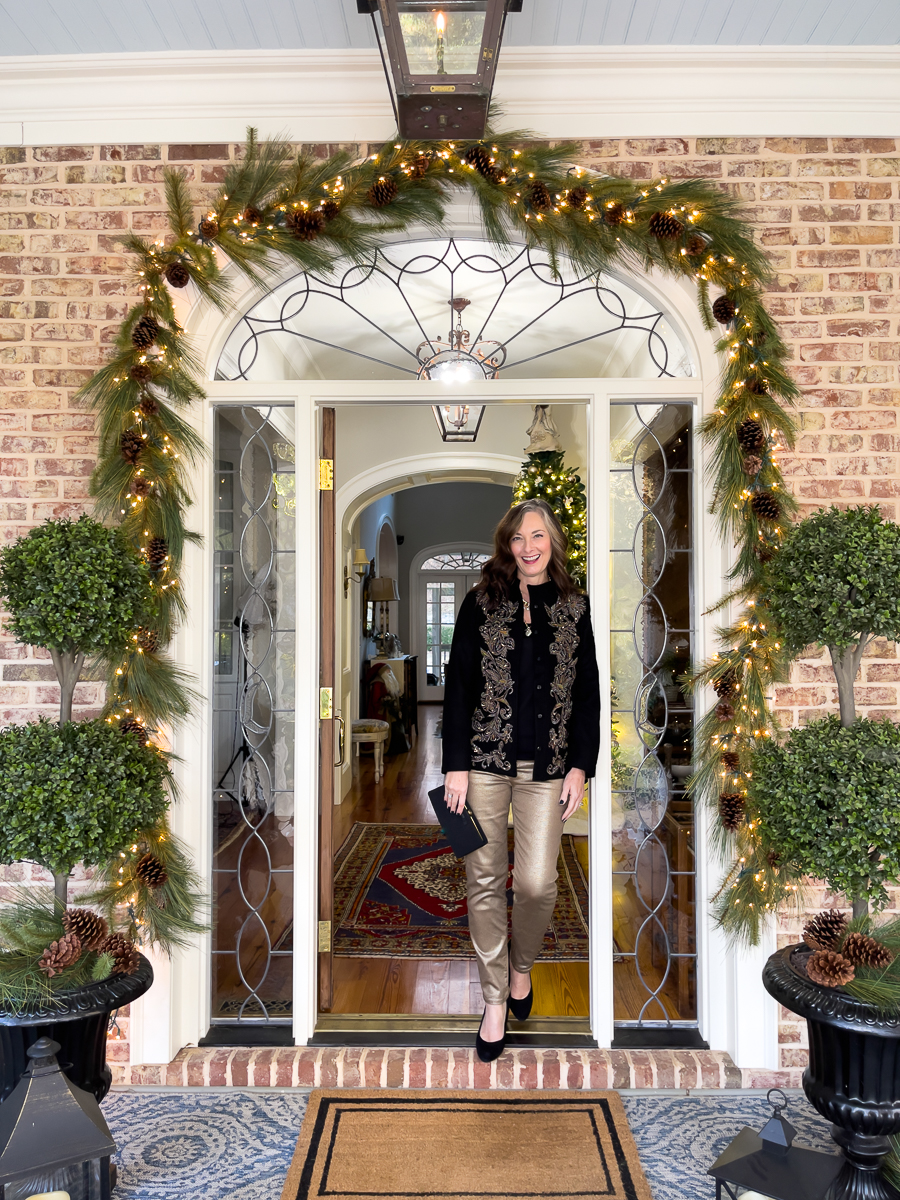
[(144, 26)]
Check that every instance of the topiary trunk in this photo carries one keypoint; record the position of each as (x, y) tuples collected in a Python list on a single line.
[(68, 664)]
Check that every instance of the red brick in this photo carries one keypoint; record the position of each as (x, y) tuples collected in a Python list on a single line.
[(122, 153), (187, 152), (831, 352), (845, 190), (860, 235), (828, 166), (63, 466), (861, 281)]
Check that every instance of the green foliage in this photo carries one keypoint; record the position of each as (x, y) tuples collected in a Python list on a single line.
[(164, 916), (827, 799), (837, 579), (75, 793), (545, 476), (29, 922), (73, 585)]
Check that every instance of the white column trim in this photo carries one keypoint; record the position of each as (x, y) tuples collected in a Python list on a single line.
[(559, 91)]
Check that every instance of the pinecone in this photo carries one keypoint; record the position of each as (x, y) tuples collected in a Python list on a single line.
[(60, 954), (765, 505), (539, 196), (614, 213), (131, 444), (177, 275), (87, 926), (752, 464), (826, 930), (665, 227), (696, 245), (157, 553), (731, 810), (864, 951), (329, 209), (142, 486), (148, 405), (151, 871), (724, 711), (141, 372), (145, 332), (131, 725), (764, 552), (724, 310), (126, 959), (382, 192), (731, 760), (208, 228), (422, 162), (829, 968), (750, 435), (579, 196), (726, 684), (479, 157), (756, 386), (251, 215), (305, 224), (147, 640)]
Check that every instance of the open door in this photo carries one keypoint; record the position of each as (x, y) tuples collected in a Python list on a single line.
[(327, 716)]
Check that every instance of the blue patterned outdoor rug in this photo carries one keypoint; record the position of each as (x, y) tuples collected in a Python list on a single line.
[(238, 1145)]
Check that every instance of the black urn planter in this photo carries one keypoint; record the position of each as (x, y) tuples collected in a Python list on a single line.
[(78, 1020), (853, 1077)]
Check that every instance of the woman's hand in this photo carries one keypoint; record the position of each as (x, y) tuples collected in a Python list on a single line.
[(572, 792), (456, 784)]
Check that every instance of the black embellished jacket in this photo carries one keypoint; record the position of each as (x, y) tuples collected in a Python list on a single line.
[(480, 696)]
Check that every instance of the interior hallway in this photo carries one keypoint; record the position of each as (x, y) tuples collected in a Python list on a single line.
[(439, 986)]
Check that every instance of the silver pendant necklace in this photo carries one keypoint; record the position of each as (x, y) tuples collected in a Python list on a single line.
[(527, 623)]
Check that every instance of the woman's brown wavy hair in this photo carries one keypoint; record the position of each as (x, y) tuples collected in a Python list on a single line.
[(498, 574)]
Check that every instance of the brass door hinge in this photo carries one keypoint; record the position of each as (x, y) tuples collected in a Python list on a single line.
[(324, 937), (326, 704), (326, 474)]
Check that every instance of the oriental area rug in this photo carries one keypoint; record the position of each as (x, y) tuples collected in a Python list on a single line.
[(466, 1145), (400, 892)]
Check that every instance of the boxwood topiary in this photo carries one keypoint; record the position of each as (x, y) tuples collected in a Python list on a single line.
[(75, 588), (829, 799), (78, 792), (836, 583)]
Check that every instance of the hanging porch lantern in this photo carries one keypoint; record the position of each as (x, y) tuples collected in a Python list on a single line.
[(440, 60)]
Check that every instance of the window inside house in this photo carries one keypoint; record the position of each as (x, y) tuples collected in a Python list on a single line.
[(446, 578)]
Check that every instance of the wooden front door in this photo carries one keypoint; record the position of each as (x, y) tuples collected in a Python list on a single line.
[(327, 718)]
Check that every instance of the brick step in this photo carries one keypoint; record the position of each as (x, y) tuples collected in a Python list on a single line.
[(422, 1067)]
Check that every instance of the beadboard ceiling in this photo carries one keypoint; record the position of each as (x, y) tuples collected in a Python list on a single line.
[(43, 27)]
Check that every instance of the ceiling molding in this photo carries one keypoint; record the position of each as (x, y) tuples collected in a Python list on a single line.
[(329, 96)]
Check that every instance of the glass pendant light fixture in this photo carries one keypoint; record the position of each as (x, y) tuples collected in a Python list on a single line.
[(455, 361), (440, 61)]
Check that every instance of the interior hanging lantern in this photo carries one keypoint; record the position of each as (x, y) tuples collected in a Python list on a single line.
[(440, 60)]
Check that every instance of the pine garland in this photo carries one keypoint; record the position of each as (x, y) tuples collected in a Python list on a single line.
[(687, 229)]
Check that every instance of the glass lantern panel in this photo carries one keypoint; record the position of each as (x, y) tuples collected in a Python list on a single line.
[(442, 41)]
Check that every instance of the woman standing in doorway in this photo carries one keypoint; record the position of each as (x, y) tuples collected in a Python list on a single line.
[(521, 726)]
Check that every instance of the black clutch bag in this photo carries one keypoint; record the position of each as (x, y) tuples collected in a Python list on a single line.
[(461, 830)]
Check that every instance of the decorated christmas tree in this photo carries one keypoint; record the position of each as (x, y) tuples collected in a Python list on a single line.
[(545, 476)]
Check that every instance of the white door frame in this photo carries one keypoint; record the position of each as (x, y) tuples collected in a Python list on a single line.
[(734, 1013)]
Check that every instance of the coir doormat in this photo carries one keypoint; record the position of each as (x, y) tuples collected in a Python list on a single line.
[(400, 892), (465, 1145)]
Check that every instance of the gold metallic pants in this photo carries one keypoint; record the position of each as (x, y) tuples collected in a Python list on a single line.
[(538, 830)]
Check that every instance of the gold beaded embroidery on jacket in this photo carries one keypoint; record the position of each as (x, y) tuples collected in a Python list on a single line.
[(492, 720), (564, 616)]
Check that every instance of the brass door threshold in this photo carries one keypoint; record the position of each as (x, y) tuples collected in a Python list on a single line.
[(374, 1029)]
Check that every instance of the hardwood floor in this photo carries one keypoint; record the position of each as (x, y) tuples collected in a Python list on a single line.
[(438, 986)]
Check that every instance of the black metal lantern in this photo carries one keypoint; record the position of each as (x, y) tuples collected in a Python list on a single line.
[(441, 59), (767, 1164), (53, 1138)]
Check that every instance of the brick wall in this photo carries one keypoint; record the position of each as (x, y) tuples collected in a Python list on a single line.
[(827, 211)]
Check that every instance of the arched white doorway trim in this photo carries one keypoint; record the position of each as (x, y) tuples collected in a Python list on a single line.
[(384, 479)]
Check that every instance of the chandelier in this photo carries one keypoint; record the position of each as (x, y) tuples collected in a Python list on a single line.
[(459, 360)]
